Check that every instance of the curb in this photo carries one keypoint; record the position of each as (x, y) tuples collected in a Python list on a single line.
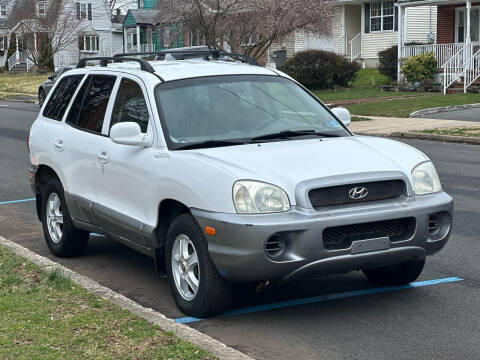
[(437, 137), (20, 101), (442, 109), (183, 332)]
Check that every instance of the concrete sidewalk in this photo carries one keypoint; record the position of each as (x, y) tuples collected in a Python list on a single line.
[(388, 125)]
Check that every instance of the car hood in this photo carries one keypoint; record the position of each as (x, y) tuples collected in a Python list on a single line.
[(288, 163)]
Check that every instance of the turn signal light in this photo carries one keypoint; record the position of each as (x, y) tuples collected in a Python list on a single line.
[(210, 231)]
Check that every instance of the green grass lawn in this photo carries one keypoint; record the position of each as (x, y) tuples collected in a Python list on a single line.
[(365, 86), (404, 107), (370, 78), (26, 83), (474, 132), (357, 93), (47, 316)]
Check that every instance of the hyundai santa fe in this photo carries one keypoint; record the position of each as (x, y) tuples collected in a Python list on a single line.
[(226, 172)]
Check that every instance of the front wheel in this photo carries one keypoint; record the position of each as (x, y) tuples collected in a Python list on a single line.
[(197, 287), (401, 274)]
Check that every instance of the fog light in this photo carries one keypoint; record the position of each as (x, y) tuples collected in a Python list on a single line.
[(275, 246), (434, 224)]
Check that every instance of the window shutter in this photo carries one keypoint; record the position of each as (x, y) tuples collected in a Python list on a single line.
[(78, 10), (367, 18), (396, 18), (80, 43), (89, 11)]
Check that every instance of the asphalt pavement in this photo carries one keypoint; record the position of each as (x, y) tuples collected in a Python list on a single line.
[(435, 321), (462, 115)]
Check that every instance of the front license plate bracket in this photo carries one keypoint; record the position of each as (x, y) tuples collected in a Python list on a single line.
[(363, 246)]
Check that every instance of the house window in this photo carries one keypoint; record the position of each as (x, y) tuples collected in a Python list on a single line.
[(3, 43), (3, 10), (84, 11), (89, 43), (41, 8), (382, 16)]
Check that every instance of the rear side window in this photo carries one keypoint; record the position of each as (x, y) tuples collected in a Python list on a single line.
[(130, 105), (88, 110), (61, 96)]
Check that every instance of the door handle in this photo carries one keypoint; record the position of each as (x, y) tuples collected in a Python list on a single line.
[(102, 157), (58, 145)]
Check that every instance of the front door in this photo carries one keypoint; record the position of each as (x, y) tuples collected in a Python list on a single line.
[(123, 196)]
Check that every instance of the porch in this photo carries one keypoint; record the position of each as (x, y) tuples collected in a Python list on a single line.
[(457, 49), (142, 34)]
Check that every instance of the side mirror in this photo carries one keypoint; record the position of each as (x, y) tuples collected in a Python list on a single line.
[(50, 77), (343, 115), (129, 133)]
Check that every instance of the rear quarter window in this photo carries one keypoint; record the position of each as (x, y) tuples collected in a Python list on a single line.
[(61, 96)]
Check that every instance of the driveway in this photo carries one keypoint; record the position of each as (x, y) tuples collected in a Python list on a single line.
[(462, 115)]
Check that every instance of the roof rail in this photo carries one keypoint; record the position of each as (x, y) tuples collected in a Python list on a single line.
[(144, 65), (183, 53)]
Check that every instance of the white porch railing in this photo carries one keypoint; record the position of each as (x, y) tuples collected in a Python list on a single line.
[(471, 70), (443, 52), (355, 47), (12, 60), (454, 68)]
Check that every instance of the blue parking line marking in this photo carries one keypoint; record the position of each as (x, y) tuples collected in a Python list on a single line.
[(16, 201), (321, 298)]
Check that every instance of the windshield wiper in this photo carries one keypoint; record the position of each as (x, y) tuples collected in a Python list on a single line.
[(209, 144), (292, 133)]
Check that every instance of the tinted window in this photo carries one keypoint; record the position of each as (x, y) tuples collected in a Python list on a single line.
[(88, 110), (61, 97), (239, 107), (130, 105)]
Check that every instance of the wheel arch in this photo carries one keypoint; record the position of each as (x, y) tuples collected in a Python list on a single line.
[(42, 175), (168, 210)]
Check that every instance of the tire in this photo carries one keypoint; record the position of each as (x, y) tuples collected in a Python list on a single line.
[(213, 293), (68, 241), (41, 97), (401, 274)]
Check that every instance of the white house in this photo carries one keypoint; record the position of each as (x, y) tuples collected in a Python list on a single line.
[(94, 33), (5, 10), (363, 28)]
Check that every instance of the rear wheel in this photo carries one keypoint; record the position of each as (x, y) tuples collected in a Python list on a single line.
[(63, 239), (401, 274), (197, 287)]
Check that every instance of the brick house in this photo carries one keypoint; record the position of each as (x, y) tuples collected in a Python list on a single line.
[(457, 47)]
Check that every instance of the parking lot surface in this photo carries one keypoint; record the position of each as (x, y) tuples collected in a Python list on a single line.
[(306, 319)]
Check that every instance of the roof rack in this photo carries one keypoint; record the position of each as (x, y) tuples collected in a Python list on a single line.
[(144, 65), (184, 53)]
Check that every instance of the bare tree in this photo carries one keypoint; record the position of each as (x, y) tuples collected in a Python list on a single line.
[(53, 28), (248, 26)]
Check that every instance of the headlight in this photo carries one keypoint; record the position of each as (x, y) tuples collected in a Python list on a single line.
[(252, 197), (425, 179)]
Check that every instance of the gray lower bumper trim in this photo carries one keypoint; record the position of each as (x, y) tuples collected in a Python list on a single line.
[(237, 250)]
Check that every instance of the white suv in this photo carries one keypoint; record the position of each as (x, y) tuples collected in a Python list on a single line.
[(227, 172)]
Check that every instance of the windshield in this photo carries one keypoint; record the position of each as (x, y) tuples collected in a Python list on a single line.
[(241, 109)]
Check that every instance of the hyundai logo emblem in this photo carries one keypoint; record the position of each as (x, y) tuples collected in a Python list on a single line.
[(358, 193)]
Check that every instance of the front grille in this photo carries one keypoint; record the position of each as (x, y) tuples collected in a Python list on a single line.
[(338, 195), (341, 237)]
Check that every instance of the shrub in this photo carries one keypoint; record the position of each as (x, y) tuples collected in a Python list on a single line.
[(11, 49), (318, 69), (419, 67), (45, 58), (388, 59)]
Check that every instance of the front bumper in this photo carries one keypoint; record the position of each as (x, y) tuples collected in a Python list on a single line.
[(237, 249)]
